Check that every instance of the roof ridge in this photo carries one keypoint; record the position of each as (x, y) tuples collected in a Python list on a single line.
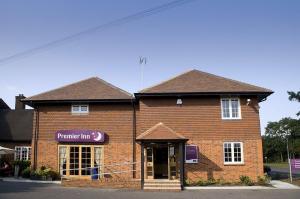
[(113, 86), (208, 74), (169, 79), (236, 81), (70, 84)]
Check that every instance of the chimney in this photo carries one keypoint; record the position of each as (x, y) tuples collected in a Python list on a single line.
[(19, 104)]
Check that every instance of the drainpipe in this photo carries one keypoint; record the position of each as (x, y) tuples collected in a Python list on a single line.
[(133, 139), (36, 138)]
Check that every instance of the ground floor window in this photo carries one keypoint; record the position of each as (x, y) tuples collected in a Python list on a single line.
[(233, 153), (78, 160), (22, 153)]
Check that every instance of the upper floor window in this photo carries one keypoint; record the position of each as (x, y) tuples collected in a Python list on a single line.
[(80, 109), (231, 108), (233, 153), (22, 153)]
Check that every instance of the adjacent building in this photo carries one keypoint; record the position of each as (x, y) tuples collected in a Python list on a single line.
[(16, 129), (193, 126)]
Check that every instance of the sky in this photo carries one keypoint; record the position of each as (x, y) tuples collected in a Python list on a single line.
[(255, 41)]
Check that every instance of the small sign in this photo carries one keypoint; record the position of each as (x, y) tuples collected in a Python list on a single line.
[(191, 154), (295, 164), (80, 136)]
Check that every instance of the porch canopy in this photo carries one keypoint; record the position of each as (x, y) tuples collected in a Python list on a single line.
[(160, 133)]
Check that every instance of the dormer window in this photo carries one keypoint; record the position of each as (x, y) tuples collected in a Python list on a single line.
[(231, 108), (80, 109)]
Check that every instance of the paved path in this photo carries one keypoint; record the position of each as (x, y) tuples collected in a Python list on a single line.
[(16, 190)]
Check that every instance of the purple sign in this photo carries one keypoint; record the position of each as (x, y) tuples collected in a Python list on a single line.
[(80, 136), (191, 154), (295, 164)]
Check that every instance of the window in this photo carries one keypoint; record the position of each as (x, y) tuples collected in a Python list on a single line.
[(77, 160), (22, 153), (80, 109), (231, 108), (233, 153)]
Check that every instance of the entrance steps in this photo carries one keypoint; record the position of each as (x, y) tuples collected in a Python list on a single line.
[(162, 185)]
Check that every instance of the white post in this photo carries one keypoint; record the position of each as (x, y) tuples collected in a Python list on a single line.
[(288, 155)]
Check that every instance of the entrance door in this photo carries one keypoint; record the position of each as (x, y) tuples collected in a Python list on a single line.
[(173, 164), (149, 162), (160, 152)]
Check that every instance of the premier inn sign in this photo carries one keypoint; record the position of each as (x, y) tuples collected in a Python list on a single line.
[(80, 136)]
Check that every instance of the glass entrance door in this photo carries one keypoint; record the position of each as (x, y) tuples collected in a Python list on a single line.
[(149, 162), (173, 162)]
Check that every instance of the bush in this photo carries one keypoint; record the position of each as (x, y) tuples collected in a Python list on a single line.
[(45, 173), (267, 169), (263, 180), (54, 175), (23, 164), (246, 180), (206, 182), (26, 173)]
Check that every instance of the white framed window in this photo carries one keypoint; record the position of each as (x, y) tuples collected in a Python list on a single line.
[(233, 153), (230, 108), (80, 109), (22, 153), (77, 160)]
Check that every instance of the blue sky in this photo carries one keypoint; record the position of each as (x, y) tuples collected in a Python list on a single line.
[(256, 41)]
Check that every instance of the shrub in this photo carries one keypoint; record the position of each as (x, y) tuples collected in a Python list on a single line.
[(45, 173), (263, 180), (246, 180), (26, 173), (54, 175), (22, 164), (206, 182)]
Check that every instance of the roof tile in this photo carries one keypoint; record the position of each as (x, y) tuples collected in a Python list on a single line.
[(89, 89), (196, 81)]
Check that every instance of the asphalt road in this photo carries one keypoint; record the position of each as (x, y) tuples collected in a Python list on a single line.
[(13, 190)]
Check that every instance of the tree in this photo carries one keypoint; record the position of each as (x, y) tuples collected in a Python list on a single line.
[(293, 96), (276, 135)]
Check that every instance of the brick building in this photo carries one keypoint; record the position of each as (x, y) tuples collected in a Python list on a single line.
[(193, 126), (16, 129)]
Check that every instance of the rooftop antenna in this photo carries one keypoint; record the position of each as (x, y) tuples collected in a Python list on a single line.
[(142, 61)]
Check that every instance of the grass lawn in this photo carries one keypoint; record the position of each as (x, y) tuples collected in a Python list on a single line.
[(279, 165)]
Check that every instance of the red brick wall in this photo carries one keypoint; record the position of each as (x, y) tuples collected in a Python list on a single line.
[(199, 120), (115, 120)]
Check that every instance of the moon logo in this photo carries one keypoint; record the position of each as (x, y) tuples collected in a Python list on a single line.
[(98, 137)]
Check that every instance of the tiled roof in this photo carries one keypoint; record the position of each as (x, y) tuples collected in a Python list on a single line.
[(196, 81), (160, 132), (90, 89), (3, 105), (16, 125)]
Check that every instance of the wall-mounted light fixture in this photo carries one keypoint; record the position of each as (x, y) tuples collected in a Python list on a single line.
[(179, 101), (248, 101)]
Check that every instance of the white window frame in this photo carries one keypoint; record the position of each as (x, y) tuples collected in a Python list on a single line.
[(80, 112), (233, 162), (28, 148), (230, 108)]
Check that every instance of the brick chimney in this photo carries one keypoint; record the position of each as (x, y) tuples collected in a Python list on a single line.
[(19, 104)]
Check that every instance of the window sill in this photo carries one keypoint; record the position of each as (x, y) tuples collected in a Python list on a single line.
[(232, 118), (234, 164), (78, 114)]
